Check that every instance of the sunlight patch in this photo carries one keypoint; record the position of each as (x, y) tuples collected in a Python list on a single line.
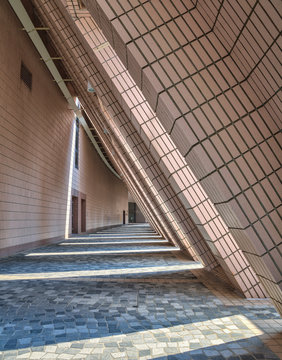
[(102, 272)]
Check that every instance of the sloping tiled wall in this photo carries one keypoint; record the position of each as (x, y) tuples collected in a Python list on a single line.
[(172, 163), (163, 194), (210, 71), (189, 94)]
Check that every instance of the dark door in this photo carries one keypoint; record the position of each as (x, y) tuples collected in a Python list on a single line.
[(123, 217), (74, 229), (131, 212), (83, 215)]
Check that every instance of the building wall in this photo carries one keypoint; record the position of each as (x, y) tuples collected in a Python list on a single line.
[(35, 149), (165, 159), (210, 73), (105, 195)]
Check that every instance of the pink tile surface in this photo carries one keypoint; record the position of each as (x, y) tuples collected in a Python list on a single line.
[(230, 106)]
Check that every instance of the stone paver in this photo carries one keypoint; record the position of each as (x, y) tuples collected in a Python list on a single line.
[(130, 306)]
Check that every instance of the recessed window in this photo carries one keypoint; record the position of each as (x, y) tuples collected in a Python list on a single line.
[(76, 154), (26, 76)]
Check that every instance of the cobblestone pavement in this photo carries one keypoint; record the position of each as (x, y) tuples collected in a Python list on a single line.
[(67, 302)]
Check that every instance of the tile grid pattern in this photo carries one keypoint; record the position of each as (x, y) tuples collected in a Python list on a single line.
[(124, 160), (139, 170), (142, 181), (89, 63), (35, 151), (123, 119), (167, 231), (215, 85), (258, 291), (171, 161)]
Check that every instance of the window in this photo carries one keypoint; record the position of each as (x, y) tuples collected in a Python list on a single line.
[(76, 155)]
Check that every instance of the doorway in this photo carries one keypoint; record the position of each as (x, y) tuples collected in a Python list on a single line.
[(74, 218), (131, 212), (83, 215)]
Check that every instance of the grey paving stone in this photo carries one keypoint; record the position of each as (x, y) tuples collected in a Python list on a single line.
[(157, 309)]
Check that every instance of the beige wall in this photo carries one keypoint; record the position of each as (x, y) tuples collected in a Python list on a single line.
[(35, 144), (106, 196)]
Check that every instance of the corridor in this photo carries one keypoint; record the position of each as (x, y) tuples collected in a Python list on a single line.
[(126, 293)]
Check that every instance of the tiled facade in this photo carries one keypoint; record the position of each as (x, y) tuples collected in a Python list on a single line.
[(36, 139), (210, 72), (164, 197), (170, 160), (188, 93), (106, 195)]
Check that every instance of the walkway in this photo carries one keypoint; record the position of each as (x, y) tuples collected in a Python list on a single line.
[(125, 293)]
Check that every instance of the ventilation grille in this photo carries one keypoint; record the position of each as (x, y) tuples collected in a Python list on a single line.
[(26, 76)]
